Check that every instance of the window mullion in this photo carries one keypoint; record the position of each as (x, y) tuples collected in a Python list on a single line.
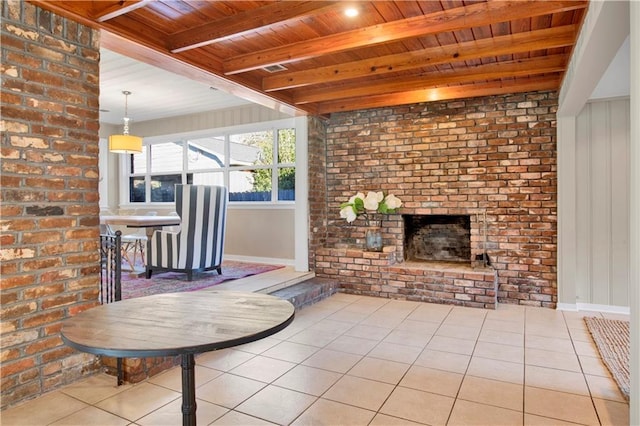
[(274, 166), (227, 160), (147, 176), (185, 161)]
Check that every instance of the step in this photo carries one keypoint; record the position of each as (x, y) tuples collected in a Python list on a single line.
[(307, 292), (267, 282)]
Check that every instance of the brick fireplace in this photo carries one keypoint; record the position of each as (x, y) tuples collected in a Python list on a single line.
[(427, 257), (488, 164)]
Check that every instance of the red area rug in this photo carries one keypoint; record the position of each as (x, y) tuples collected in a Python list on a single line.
[(172, 282)]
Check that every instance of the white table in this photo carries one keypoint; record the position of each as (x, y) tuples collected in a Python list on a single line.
[(150, 223)]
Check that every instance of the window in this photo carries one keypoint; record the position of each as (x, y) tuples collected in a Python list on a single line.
[(257, 166)]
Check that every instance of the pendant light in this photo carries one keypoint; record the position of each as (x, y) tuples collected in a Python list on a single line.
[(125, 143)]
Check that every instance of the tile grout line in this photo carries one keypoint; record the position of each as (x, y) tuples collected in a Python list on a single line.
[(584, 377)]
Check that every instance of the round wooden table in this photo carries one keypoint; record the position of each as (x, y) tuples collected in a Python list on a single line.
[(182, 324)]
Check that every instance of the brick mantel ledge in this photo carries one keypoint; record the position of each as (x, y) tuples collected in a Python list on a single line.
[(379, 274)]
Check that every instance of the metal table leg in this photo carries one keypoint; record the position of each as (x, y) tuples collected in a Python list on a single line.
[(188, 390)]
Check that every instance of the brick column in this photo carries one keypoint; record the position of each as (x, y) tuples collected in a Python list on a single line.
[(49, 202)]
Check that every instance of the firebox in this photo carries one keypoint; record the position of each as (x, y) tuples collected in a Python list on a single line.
[(444, 238)]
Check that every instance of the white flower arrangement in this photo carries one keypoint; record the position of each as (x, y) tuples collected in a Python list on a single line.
[(374, 202)]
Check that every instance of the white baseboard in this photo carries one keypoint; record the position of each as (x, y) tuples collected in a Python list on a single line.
[(610, 309), (572, 307), (268, 260), (625, 310)]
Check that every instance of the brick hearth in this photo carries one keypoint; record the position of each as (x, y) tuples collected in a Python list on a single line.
[(378, 274)]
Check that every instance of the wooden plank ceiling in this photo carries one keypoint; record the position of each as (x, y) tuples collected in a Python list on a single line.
[(312, 56)]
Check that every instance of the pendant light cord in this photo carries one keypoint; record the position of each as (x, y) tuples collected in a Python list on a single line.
[(126, 114)]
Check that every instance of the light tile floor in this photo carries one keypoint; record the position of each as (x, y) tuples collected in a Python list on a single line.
[(354, 360)]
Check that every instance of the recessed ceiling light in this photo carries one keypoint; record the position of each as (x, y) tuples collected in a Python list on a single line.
[(351, 12)]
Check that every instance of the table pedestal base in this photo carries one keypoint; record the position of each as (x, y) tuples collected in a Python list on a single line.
[(188, 390)]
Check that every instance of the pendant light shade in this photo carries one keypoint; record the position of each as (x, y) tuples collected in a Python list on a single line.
[(125, 143)]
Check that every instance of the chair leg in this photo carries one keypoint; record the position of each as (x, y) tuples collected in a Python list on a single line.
[(135, 253), (148, 273), (130, 251), (141, 247), (219, 269), (189, 275), (126, 255)]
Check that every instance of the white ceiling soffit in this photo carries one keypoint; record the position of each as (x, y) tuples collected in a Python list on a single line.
[(616, 80), (155, 93)]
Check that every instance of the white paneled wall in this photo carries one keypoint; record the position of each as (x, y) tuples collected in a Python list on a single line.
[(602, 203)]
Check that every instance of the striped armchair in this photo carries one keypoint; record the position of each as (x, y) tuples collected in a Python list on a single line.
[(199, 244)]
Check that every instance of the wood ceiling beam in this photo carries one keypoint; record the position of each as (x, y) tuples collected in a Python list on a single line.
[(443, 93), (493, 71), (121, 8), (248, 21), (478, 14), (502, 45)]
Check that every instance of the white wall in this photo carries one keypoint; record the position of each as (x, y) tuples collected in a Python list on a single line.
[(602, 203), (607, 25), (262, 234), (604, 31)]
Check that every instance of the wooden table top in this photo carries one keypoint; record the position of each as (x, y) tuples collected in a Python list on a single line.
[(177, 323), (140, 221)]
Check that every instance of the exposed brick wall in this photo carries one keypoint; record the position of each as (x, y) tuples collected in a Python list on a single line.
[(49, 195), (493, 158), (136, 370)]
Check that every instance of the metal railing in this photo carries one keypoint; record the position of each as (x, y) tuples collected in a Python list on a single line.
[(111, 278), (111, 267)]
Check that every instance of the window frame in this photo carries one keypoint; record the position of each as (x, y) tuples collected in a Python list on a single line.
[(226, 133)]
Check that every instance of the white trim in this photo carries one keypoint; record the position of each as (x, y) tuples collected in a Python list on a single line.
[(221, 131), (252, 259), (244, 205), (571, 307), (566, 186), (625, 310), (604, 30), (576, 307), (233, 205), (634, 213), (301, 214), (613, 98)]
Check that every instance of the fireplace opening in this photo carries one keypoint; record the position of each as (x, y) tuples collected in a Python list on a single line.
[(442, 238)]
